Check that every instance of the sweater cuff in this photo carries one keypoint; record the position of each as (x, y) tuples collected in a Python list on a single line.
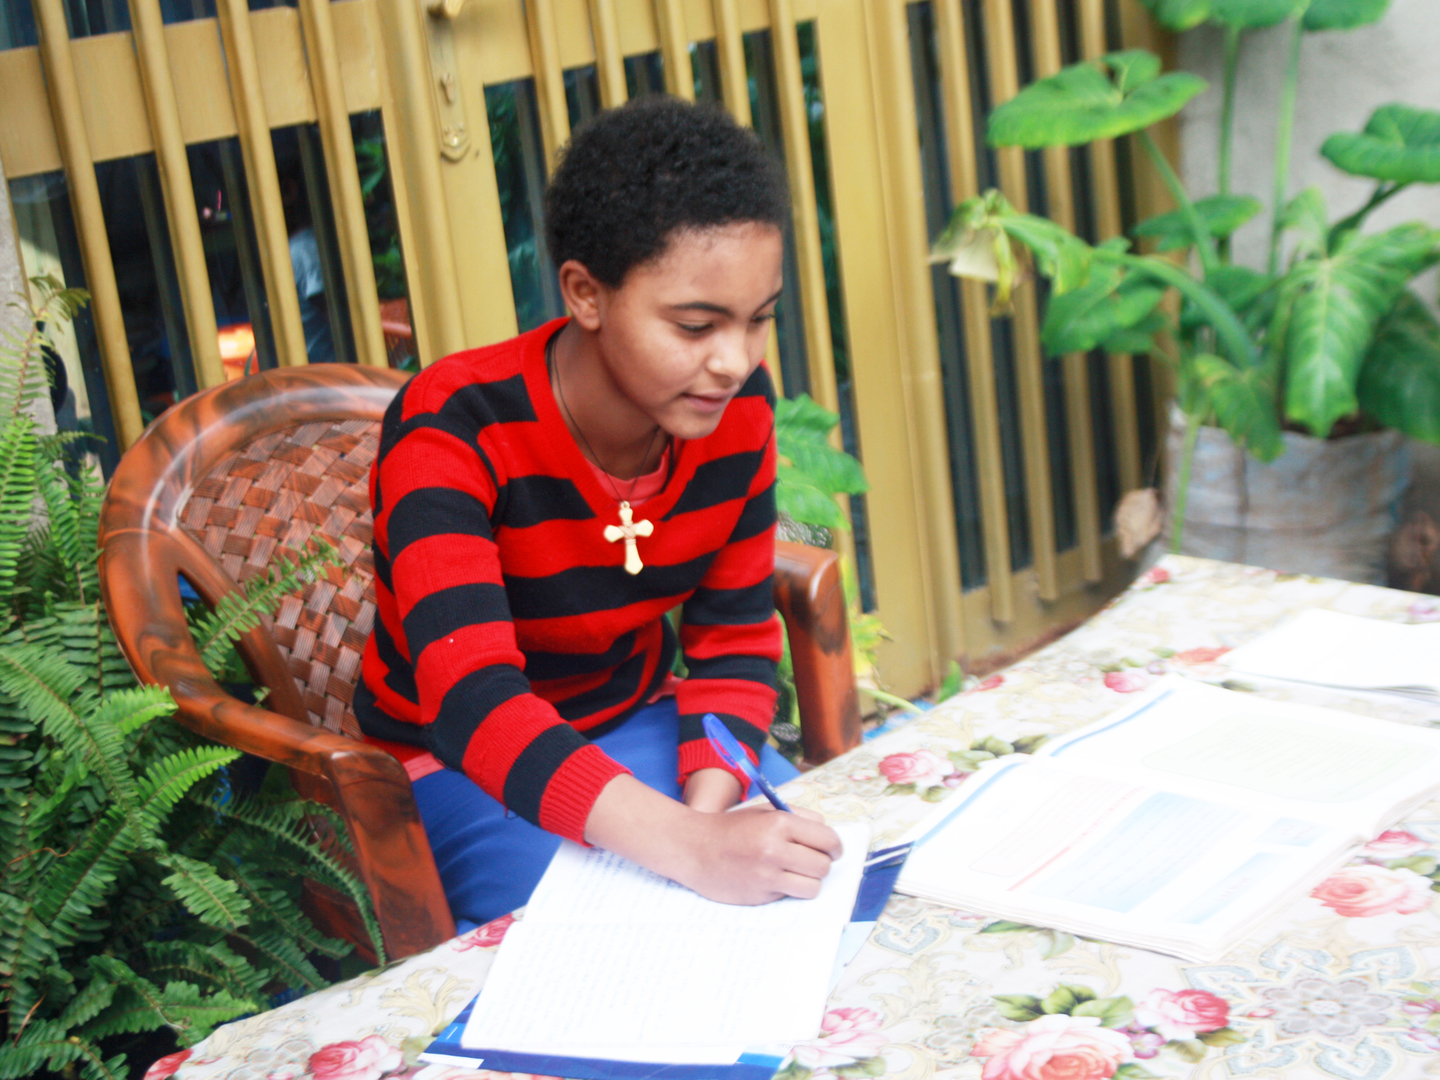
[(573, 788), (698, 755)]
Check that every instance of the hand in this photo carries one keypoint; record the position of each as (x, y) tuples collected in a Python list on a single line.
[(749, 856), (712, 790)]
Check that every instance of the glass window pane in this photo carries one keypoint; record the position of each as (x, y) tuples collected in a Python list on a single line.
[(49, 245), (520, 175), (644, 74)]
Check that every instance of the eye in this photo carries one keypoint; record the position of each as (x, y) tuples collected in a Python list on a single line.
[(761, 320), (694, 328)]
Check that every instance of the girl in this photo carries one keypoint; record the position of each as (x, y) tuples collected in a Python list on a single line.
[(542, 503)]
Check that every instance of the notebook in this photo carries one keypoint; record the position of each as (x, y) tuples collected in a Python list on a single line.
[(1180, 824), (615, 972)]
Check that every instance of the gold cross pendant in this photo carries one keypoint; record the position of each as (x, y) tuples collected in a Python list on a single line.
[(628, 530)]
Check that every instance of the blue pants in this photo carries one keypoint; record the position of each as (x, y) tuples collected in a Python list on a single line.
[(490, 860)]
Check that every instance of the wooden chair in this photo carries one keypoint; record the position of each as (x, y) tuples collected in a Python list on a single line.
[(228, 478)]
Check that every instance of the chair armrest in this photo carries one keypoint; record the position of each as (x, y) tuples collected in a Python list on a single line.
[(365, 784), (810, 597)]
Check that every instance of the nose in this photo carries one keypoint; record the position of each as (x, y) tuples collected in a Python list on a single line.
[(730, 359)]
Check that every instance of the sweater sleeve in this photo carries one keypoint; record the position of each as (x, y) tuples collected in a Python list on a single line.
[(434, 493), (731, 636)]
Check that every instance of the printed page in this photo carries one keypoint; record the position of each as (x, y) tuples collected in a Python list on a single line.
[(1334, 649), (1036, 843), (1323, 765), (613, 961)]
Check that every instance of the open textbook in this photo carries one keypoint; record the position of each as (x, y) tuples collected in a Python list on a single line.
[(1347, 651), (1179, 824), (612, 963)]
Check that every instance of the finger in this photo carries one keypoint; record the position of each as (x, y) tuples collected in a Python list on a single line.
[(806, 861), (808, 815), (797, 885), (817, 835)]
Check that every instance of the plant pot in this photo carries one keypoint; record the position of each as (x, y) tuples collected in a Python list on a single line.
[(1326, 506)]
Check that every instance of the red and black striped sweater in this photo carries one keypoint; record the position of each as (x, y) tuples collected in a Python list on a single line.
[(508, 629)]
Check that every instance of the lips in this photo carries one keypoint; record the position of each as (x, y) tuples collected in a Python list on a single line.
[(708, 402)]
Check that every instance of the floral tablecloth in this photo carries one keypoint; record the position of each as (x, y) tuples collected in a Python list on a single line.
[(1346, 985)]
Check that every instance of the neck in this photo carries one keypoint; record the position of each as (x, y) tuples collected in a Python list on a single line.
[(607, 427)]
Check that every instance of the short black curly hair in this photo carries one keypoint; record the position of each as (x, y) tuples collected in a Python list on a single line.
[(630, 177)]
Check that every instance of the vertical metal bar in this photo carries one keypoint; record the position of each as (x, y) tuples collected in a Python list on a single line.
[(1005, 84), (262, 179), (549, 77), (324, 63), (180, 210), (985, 415), (675, 48), (89, 219), (1107, 219), (795, 127), (1045, 25), (734, 83), (609, 61), (412, 128)]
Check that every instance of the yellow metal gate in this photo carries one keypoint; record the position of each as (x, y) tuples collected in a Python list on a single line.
[(362, 178)]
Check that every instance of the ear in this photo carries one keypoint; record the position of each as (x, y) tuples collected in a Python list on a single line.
[(582, 292)]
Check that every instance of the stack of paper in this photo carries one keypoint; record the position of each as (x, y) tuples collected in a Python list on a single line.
[(1328, 648), (612, 963), (1179, 824)]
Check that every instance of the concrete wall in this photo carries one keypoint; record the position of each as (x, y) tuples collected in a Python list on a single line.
[(1344, 75)]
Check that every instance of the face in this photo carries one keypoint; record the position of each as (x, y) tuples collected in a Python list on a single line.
[(683, 332)]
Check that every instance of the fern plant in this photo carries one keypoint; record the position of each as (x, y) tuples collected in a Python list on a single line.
[(138, 893)]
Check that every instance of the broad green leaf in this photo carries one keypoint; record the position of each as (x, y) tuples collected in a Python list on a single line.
[(1020, 1007), (1343, 14), (804, 502), (1138, 338), (1132, 1071), (1400, 378), (1238, 286), (1243, 403), (1178, 14), (1005, 926), (1059, 254), (1082, 102), (1065, 997), (1112, 1011), (1329, 312), (802, 414), (1191, 1050), (1252, 14), (1400, 143), (1221, 214), (1307, 216), (832, 471), (1079, 320), (1050, 943), (1226, 1036)]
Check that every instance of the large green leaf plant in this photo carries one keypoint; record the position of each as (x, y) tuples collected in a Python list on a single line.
[(1329, 329), (139, 893)]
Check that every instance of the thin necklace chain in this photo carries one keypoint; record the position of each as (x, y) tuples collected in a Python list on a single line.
[(554, 368)]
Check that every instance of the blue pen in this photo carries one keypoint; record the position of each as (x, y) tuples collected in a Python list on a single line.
[(734, 755)]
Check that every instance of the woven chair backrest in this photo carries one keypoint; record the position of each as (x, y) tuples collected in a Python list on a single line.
[(281, 494)]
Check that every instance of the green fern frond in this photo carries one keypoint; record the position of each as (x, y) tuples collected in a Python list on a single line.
[(94, 997), (285, 959), (82, 880), (17, 496), (285, 823), (41, 1045), (130, 710), (169, 778), (205, 894), (141, 1005), (272, 904), (214, 963), (238, 613)]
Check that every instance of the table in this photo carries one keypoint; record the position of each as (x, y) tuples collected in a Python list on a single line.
[(1353, 995)]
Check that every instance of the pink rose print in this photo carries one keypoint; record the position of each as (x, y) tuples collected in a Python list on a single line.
[(846, 1035), (920, 767), (1054, 1047), (167, 1065), (1204, 655), (1182, 1014), (286, 1072), (484, 937), (1394, 844), (1425, 611), (1126, 682), (1360, 892), (1428, 1040), (991, 683), (369, 1059), (1155, 576)]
